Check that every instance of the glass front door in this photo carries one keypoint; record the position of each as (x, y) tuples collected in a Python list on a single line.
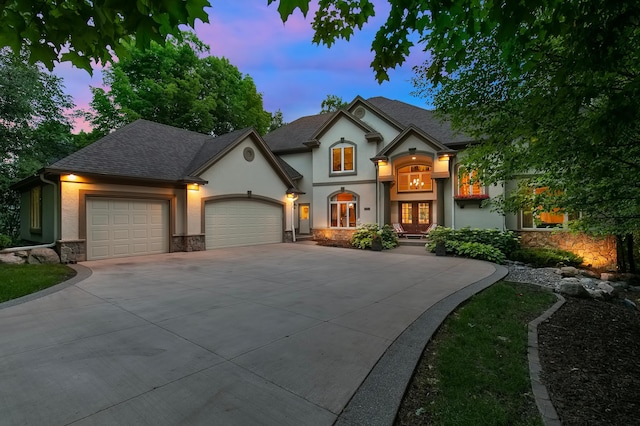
[(415, 216)]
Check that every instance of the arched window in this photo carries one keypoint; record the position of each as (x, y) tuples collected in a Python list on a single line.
[(343, 210), (414, 178)]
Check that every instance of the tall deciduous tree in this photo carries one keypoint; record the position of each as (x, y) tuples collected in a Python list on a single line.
[(34, 130), (332, 103), (171, 84), (81, 31)]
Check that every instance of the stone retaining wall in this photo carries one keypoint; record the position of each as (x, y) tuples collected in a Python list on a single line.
[(598, 252), (333, 234)]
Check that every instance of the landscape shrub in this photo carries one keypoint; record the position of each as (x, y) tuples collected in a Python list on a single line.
[(365, 234), (546, 257), (5, 241), (504, 241)]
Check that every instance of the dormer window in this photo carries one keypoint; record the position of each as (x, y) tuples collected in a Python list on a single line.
[(343, 158)]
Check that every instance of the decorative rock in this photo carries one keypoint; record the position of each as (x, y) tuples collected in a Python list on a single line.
[(43, 255), (572, 289), (619, 285), (610, 290), (569, 271), (22, 253), (629, 304), (589, 273), (608, 276), (11, 258), (634, 288), (597, 294), (587, 282), (571, 280)]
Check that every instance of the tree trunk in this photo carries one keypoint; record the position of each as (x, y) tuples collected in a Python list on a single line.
[(630, 253)]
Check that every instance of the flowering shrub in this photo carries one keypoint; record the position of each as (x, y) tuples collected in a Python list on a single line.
[(366, 234)]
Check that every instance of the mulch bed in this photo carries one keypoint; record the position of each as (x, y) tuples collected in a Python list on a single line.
[(590, 355)]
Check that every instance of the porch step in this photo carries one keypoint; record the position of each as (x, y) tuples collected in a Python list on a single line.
[(412, 242)]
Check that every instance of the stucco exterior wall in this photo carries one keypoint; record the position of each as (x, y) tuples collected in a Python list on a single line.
[(366, 208), (383, 127), (234, 175), (346, 129), (475, 216)]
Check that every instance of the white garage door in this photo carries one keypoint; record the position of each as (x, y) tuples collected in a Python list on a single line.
[(232, 223), (121, 228)]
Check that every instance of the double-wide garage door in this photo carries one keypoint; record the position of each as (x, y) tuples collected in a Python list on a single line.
[(122, 227), (232, 223)]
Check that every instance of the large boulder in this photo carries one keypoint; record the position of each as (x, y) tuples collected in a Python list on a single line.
[(11, 259), (569, 271), (573, 288), (42, 256)]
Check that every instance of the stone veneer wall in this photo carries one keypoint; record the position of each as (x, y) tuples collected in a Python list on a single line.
[(188, 243), (598, 252), (335, 234), (72, 251)]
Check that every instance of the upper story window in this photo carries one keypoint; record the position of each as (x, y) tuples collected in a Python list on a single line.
[(35, 211), (535, 218), (469, 185), (343, 157), (415, 178)]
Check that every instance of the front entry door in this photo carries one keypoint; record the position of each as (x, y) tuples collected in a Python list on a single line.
[(303, 219), (415, 216)]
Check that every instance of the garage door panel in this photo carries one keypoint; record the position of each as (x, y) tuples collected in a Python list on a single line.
[(231, 223), (119, 227)]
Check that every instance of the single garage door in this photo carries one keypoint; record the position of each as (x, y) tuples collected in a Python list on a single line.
[(232, 223), (122, 227)]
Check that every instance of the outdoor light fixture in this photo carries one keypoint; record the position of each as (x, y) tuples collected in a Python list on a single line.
[(193, 187)]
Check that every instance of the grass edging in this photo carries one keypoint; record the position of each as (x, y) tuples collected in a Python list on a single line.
[(377, 400), (540, 393), (82, 273)]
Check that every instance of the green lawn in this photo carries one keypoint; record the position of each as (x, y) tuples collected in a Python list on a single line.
[(20, 280), (475, 370)]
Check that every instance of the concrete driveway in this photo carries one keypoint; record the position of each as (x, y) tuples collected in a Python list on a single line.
[(279, 334)]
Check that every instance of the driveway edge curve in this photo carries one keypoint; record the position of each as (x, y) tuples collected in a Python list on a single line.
[(82, 273), (378, 398)]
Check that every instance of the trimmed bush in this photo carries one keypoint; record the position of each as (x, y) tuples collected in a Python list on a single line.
[(365, 234), (5, 241), (504, 241), (546, 257)]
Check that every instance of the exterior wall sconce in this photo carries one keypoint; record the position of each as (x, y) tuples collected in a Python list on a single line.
[(193, 187), (69, 178), (412, 151)]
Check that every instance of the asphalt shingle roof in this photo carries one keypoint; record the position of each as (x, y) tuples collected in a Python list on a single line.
[(142, 149), (148, 150), (292, 135), (424, 119)]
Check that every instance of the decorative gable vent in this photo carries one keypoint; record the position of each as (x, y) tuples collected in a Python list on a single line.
[(359, 112)]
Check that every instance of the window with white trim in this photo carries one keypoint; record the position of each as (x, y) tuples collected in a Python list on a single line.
[(343, 158), (343, 210)]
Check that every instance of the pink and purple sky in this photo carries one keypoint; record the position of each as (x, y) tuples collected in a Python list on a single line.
[(292, 73)]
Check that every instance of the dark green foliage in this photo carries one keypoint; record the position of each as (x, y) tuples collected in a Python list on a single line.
[(173, 84), (476, 251), (504, 241), (80, 31), (365, 234), (546, 257), (5, 241), (34, 130), (332, 103)]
